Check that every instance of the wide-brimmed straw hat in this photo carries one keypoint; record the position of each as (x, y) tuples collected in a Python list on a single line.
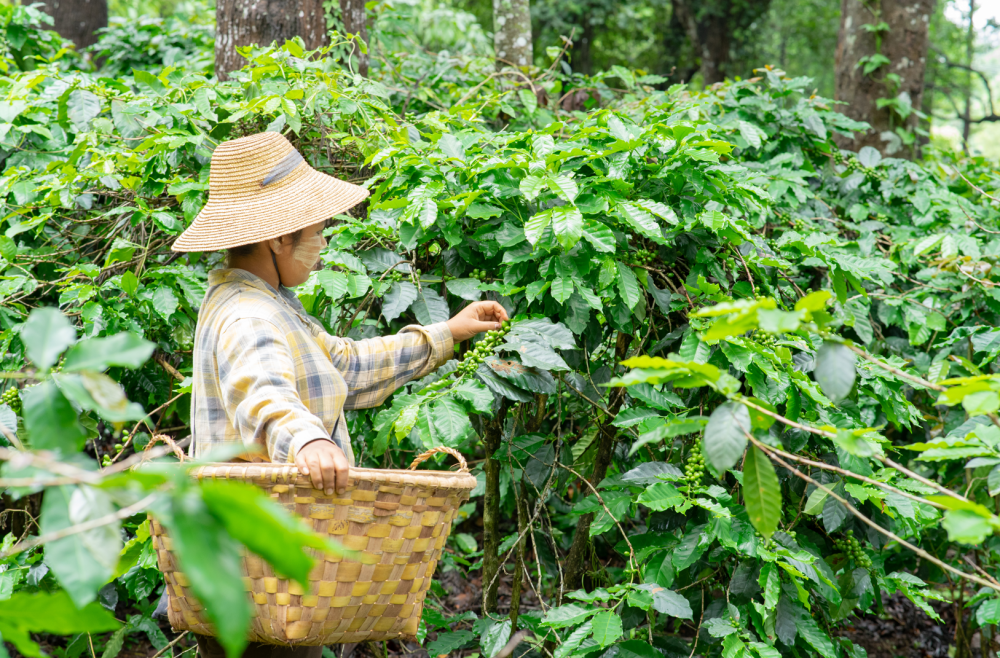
[(260, 188)]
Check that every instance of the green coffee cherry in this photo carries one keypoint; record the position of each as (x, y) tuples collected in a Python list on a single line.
[(12, 398), (694, 469)]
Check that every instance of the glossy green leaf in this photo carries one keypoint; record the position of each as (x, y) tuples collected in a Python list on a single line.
[(45, 335), (761, 492), (726, 435)]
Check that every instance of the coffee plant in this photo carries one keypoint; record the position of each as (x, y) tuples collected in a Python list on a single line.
[(747, 392)]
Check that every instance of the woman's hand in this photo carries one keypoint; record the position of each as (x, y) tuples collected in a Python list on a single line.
[(476, 318), (326, 465)]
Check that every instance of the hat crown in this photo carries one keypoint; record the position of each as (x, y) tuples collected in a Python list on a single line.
[(241, 166)]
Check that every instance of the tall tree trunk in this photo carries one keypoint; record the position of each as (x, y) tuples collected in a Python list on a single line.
[(512, 32), (970, 43), (355, 22), (576, 559), (712, 27), (905, 44), (77, 20), (491, 510), (261, 22), (582, 59)]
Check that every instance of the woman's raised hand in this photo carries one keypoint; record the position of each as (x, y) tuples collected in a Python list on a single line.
[(476, 318)]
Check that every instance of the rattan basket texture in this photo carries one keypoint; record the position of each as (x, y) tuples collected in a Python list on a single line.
[(398, 521)]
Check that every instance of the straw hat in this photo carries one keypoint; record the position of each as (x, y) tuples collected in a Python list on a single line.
[(261, 188)]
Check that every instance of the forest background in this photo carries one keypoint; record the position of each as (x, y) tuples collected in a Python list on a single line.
[(748, 402)]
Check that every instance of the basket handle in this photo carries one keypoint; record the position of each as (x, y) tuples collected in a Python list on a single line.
[(462, 466)]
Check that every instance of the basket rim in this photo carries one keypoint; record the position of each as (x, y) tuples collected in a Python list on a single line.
[(289, 474)]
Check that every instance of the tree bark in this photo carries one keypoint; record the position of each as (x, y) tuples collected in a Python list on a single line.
[(575, 560), (905, 44), (78, 20), (261, 22), (712, 27), (355, 22), (491, 510), (512, 32)]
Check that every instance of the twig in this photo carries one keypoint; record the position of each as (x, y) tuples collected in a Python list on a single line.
[(864, 519), (508, 648), (169, 646), (108, 519), (172, 371), (896, 371)]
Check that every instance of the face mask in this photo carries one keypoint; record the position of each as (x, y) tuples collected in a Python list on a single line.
[(307, 251)]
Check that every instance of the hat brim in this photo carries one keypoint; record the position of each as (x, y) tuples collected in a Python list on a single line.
[(269, 214)]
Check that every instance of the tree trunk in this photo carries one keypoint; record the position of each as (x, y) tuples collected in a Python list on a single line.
[(355, 22), (491, 510), (575, 560), (905, 44), (261, 22), (970, 42), (512, 32), (77, 20), (582, 59), (712, 27)]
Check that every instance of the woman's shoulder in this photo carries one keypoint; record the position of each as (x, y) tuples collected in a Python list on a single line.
[(233, 298)]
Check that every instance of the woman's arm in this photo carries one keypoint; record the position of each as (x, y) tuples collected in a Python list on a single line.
[(375, 367), (257, 378)]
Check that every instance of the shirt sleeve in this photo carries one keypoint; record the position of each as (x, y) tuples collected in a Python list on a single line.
[(257, 380), (375, 367)]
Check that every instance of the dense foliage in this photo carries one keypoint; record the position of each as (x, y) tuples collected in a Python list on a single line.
[(747, 391)]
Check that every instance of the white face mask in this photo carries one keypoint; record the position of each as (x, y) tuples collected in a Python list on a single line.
[(307, 251)]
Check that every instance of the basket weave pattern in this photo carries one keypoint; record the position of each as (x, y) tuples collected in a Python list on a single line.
[(398, 521)]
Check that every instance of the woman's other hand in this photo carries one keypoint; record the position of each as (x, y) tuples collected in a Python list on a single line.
[(476, 318), (325, 464)]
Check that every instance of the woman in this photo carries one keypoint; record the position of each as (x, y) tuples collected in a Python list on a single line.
[(266, 375)]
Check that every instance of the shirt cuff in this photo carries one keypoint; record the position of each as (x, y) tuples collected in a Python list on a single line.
[(442, 342), (300, 441)]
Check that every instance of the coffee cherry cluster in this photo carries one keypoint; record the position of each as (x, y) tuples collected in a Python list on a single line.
[(477, 274), (12, 398), (483, 349), (694, 469), (644, 257), (849, 546), (396, 275)]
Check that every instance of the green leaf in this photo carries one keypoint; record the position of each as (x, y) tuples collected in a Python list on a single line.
[(447, 643), (51, 420), (164, 302), (451, 147), (476, 394), (988, 612), (522, 376), (81, 108), (753, 135), (148, 83), (49, 612), (966, 526), (265, 527), (761, 492), (45, 335), (835, 370), (570, 645), (726, 435), (125, 349), (642, 221), (429, 307), (567, 223), (496, 636), (599, 236), (669, 602), (660, 496), (467, 289), (85, 561), (450, 422), (210, 558), (399, 298), (628, 286), (566, 615), (536, 225), (607, 627), (531, 186), (561, 289)]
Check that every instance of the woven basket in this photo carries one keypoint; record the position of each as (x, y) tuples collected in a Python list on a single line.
[(397, 520)]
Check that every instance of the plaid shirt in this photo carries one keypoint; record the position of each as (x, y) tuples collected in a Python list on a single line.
[(268, 375)]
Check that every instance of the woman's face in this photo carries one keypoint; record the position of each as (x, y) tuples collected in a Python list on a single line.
[(297, 260)]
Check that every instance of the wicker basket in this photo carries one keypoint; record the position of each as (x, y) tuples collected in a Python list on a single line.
[(397, 520)]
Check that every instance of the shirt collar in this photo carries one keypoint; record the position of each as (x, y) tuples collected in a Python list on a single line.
[(233, 274)]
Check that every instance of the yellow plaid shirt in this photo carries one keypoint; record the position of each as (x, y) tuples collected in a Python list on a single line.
[(268, 376)]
